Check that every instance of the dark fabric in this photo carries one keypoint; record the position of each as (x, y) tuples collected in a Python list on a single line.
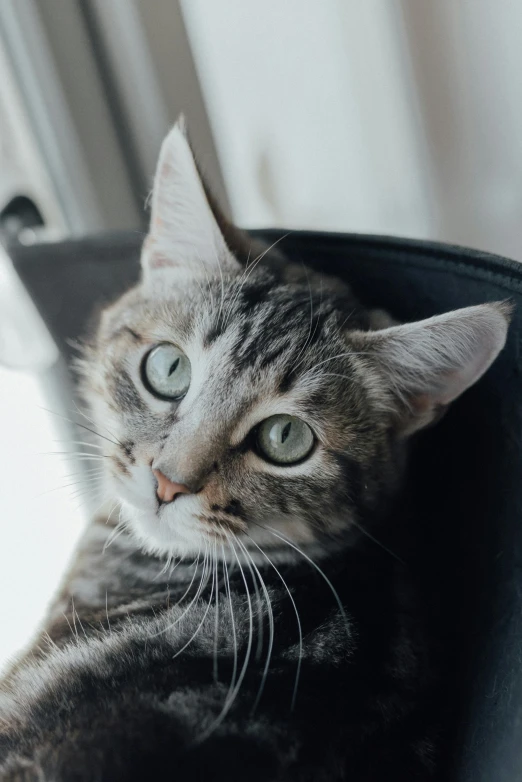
[(465, 497)]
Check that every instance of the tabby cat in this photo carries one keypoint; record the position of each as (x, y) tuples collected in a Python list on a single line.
[(232, 616)]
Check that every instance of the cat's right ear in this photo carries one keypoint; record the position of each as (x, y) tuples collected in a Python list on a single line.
[(184, 235)]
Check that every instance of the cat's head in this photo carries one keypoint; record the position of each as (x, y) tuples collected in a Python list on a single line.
[(254, 400)]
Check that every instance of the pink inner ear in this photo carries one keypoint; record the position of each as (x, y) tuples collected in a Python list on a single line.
[(421, 403), (160, 262), (155, 259), (166, 171)]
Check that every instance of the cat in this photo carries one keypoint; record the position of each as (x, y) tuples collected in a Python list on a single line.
[(240, 619)]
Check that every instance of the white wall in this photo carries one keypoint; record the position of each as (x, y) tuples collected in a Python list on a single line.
[(386, 116), (40, 516), (311, 106)]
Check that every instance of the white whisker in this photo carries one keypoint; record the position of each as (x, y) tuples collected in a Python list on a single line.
[(82, 426), (298, 619), (91, 420), (165, 567), (233, 688), (84, 454), (233, 622), (205, 614), (90, 480), (99, 494), (107, 520), (260, 622), (233, 299), (270, 631), (316, 566), (74, 631), (250, 629), (79, 442), (75, 614), (248, 270), (118, 530), (86, 471), (378, 543), (196, 596), (216, 622)]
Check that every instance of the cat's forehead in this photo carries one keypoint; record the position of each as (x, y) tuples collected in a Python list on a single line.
[(254, 316)]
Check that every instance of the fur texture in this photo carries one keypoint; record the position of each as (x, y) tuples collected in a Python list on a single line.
[(253, 626)]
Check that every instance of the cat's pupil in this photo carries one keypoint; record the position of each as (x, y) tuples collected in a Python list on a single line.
[(286, 432), (173, 367)]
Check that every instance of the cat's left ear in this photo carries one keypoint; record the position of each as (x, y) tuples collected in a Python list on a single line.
[(184, 234), (424, 366)]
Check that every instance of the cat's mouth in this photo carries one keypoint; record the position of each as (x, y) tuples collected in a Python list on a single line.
[(176, 528), (209, 522), (174, 522)]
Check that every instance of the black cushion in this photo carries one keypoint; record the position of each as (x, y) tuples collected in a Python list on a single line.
[(465, 495)]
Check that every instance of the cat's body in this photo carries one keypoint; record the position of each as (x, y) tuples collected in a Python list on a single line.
[(112, 701), (255, 427)]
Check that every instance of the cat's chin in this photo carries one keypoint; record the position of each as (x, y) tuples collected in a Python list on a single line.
[(178, 533), (169, 532)]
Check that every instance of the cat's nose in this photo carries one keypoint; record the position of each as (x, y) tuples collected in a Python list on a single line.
[(167, 490)]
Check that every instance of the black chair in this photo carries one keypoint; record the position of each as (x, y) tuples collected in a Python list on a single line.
[(465, 493)]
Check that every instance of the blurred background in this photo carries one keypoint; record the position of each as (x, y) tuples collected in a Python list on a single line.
[(395, 117)]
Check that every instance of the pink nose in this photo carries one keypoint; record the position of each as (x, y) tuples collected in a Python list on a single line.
[(167, 490)]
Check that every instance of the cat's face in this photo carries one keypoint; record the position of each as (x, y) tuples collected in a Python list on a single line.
[(243, 406), (250, 397)]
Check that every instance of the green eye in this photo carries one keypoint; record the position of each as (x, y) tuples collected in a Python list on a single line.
[(284, 439), (166, 372)]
